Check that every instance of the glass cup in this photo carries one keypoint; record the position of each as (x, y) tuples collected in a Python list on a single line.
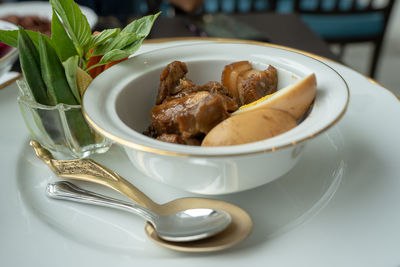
[(61, 129)]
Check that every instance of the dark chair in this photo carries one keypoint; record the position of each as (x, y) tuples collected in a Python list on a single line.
[(348, 21)]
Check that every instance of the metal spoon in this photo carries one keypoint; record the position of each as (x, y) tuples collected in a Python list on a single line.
[(90, 171), (183, 226)]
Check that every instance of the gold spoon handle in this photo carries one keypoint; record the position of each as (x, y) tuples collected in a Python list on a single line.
[(91, 171)]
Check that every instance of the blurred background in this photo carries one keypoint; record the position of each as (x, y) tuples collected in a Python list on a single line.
[(389, 66), (373, 27)]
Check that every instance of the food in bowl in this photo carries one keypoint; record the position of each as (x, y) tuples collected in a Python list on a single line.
[(118, 101), (186, 113)]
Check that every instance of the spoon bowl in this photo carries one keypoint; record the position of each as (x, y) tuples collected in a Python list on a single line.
[(238, 230), (91, 171)]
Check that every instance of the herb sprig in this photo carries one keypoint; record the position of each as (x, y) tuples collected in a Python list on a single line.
[(55, 68), (71, 36)]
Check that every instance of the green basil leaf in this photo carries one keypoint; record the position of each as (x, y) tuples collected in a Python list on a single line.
[(118, 54), (130, 36), (119, 42), (70, 68), (53, 74), (113, 55), (11, 37), (141, 26), (102, 37), (62, 43), (133, 47), (29, 59), (75, 22)]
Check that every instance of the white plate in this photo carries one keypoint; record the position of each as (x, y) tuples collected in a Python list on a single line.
[(340, 206), (40, 9)]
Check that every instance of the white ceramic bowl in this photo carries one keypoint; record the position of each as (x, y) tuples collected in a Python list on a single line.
[(9, 58), (118, 101)]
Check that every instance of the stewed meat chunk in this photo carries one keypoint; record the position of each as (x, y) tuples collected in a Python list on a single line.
[(246, 84), (170, 79), (254, 84), (187, 87), (190, 116)]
